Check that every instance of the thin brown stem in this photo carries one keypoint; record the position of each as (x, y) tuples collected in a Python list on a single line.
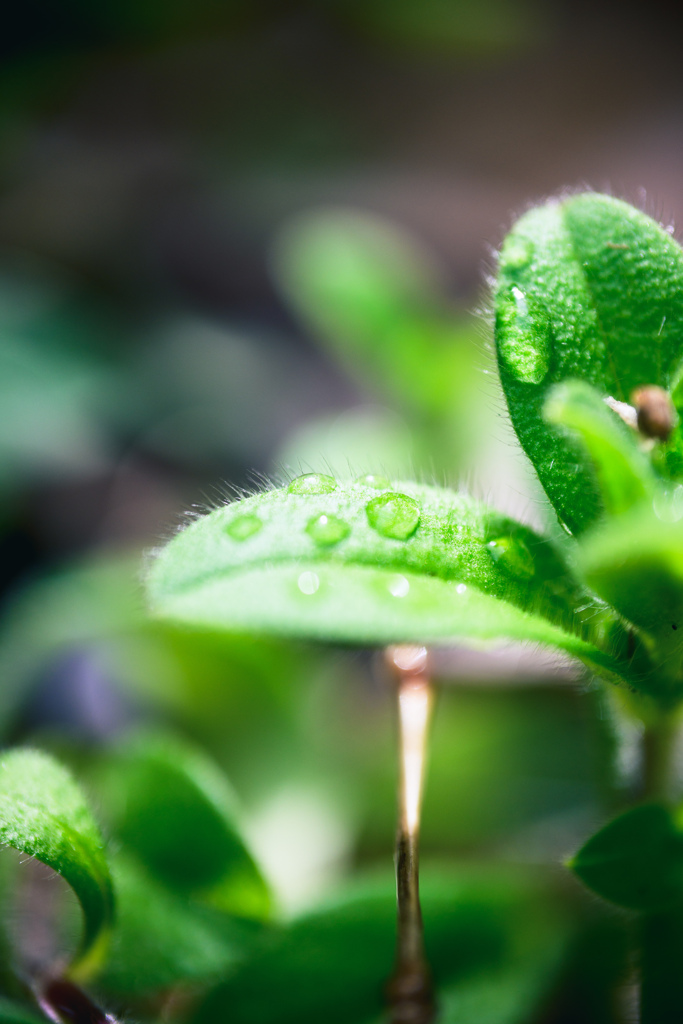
[(65, 1003), (410, 991)]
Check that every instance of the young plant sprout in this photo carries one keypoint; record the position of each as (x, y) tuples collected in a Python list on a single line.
[(588, 307), (588, 319)]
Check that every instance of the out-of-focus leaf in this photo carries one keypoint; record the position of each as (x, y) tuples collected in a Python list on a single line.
[(636, 860), (161, 939), (373, 563), (96, 608), (175, 809), (367, 290), (592, 289), (660, 937), (44, 814), (15, 1013), (58, 390), (331, 964), (636, 563), (435, 26), (623, 474)]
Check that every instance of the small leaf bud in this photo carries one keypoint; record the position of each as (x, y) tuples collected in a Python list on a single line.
[(655, 412)]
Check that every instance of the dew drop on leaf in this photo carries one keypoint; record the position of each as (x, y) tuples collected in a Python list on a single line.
[(523, 338), (513, 555), (461, 588), (313, 483), (393, 515), (398, 586), (243, 527), (372, 480), (668, 504), (327, 530), (516, 253), (308, 582)]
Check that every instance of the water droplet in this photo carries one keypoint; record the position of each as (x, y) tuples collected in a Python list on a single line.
[(516, 253), (461, 588), (513, 555), (393, 515), (398, 586), (326, 530), (372, 480), (244, 527), (308, 582), (313, 483), (523, 336), (668, 504)]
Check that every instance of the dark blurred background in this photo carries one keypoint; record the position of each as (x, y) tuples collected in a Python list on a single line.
[(249, 238), (150, 155)]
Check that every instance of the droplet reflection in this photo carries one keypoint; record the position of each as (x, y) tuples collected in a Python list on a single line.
[(308, 582), (398, 586), (393, 515)]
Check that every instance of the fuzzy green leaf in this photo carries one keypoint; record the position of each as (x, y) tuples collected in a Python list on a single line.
[(636, 860), (588, 288), (174, 808), (622, 473), (44, 814), (358, 564)]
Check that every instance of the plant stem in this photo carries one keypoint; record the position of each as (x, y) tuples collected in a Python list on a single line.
[(65, 1003), (410, 992)]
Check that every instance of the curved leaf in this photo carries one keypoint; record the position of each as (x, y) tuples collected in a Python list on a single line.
[(368, 290), (622, 473), (636, 563), (44, 814), (371, 565), (174, 808), (636, 860), (161, 939), (588, 288)]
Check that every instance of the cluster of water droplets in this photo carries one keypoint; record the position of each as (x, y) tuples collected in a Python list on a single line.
[(391, 514)]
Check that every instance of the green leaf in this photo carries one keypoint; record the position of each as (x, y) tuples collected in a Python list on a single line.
[(162, 939), (174, 808), (95, 609), (368, 291), (636, 563), (44, 814), (57, 388), (371, 565), (15, 1013), (592, 289), (622, 473), (331, 963), (636, 860)]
